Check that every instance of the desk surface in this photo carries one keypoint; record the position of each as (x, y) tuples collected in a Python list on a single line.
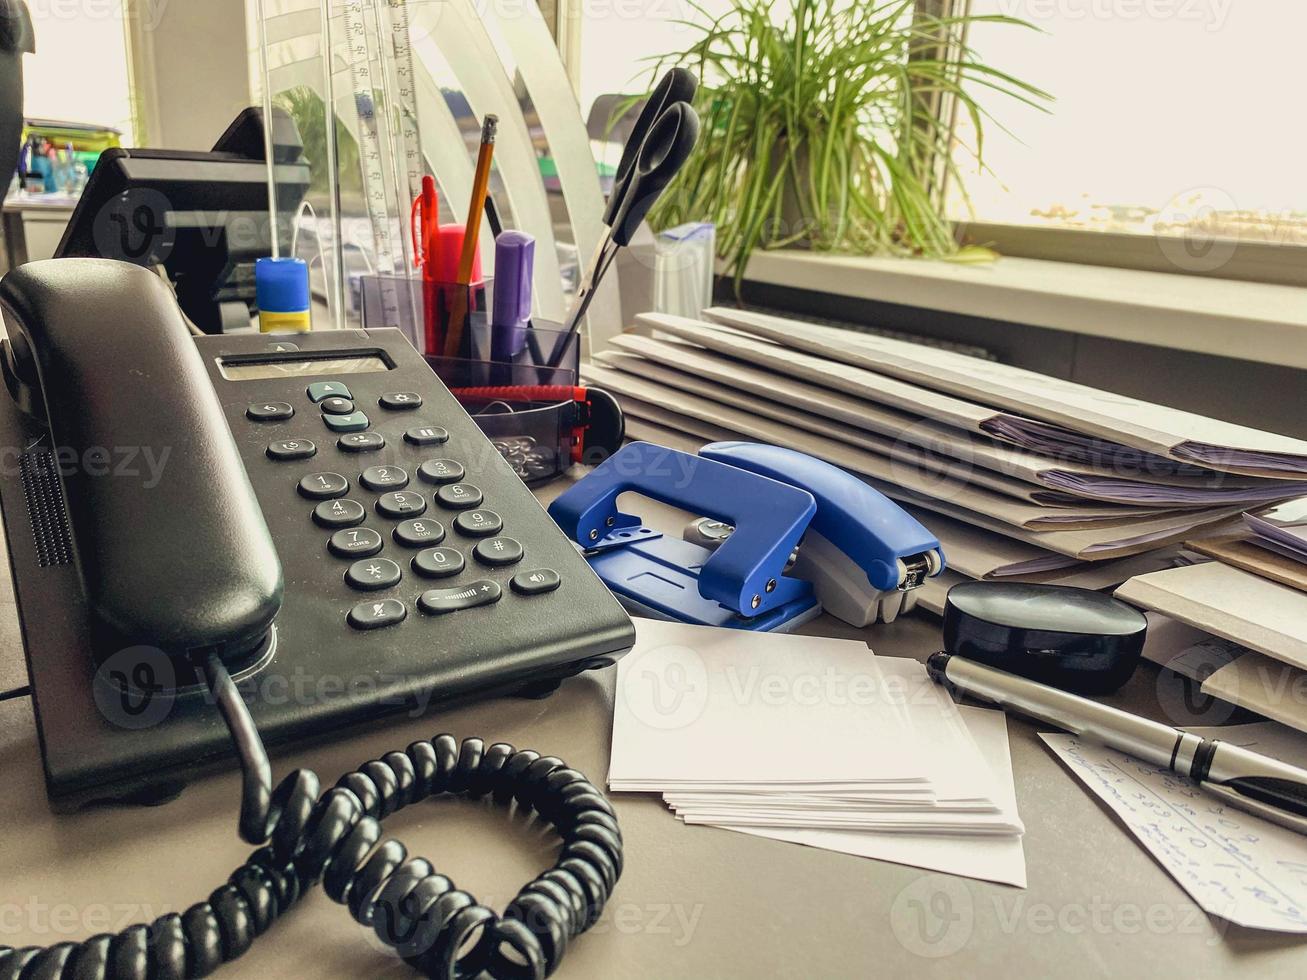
[(694, 901)]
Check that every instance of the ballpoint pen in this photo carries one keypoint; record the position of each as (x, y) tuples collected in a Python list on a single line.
[(1248, 780)]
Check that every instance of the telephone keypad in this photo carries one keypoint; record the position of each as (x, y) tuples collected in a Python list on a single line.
[(478, 523), (324, 486), (435, 602), (439, 562), (355, 542), (286, 450), (401, 503), (459, 496), (362, 442), (353, 422), (373, 574), (420, 533), (375, 615), (384, 478), (339, 513), (498, 552), (423, 541)]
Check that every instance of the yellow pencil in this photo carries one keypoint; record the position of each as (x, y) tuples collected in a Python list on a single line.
[(477, 207)]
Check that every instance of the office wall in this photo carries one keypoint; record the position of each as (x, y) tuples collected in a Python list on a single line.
[(197, 62)]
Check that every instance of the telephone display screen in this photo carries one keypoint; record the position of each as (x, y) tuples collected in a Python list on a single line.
[(246, 370)]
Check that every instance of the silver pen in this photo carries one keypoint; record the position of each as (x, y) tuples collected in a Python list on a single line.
[(1248, 780)]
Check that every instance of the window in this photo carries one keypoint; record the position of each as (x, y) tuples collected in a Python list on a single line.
[(618, 35), (79, 70), (1175, 121)]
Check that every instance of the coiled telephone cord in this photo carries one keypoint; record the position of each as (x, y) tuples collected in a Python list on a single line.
[(308, 837)]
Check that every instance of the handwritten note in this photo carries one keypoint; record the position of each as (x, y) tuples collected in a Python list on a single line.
[(1235, 865)]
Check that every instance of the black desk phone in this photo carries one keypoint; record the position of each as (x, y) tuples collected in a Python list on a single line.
[(292, 535)]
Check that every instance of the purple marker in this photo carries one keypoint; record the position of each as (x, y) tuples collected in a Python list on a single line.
[(515, 256)]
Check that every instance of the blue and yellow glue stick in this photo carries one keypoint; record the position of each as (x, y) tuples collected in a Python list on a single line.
[(281, 288)]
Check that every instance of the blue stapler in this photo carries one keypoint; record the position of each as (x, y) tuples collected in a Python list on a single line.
[(782, 536)]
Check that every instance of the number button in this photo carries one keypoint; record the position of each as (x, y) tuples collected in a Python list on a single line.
[(401, 503), (539, 582), (288, 449), (324, 486), (401, 401), (269, 411), (372, 574), (336, 405), (354, 422), (339, 513), (427, 435), (375, 615), (478, 523), (362, 442), (327, 389), (384, 478), (439, 562), (423, 533), (498, 552), (441, 471), (459, 496), (355, 542), (435, 602)]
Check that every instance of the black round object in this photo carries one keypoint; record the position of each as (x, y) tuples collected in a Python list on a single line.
[(1073, 639)]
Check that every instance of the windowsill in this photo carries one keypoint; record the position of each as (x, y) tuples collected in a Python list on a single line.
[(1243, 320)]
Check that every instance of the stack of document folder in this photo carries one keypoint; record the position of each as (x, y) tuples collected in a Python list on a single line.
[(1020, 475), (1248, 644), (815, 741)]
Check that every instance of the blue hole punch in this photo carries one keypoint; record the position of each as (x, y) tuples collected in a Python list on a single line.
[(782, 535)]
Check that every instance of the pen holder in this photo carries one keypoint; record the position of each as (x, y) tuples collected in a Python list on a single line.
[(528, 410), (446, 319)]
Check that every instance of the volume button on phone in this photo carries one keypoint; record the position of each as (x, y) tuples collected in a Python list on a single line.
[(435, 602)]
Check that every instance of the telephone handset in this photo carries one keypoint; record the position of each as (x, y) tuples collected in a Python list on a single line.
[(71, 361), (200, 521)]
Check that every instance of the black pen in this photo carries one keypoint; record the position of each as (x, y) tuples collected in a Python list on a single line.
[(1248, 780)]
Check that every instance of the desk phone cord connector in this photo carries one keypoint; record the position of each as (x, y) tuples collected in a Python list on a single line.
[(305, 837)]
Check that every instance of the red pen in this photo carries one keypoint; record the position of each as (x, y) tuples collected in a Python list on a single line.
[(424, 227)]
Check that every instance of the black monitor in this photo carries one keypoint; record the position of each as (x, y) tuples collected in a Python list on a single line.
[(203, 216)]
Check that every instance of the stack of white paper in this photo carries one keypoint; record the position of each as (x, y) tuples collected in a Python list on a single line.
[(815, 741)]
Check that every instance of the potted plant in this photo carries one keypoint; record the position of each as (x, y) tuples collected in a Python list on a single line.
[(832, 128)]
